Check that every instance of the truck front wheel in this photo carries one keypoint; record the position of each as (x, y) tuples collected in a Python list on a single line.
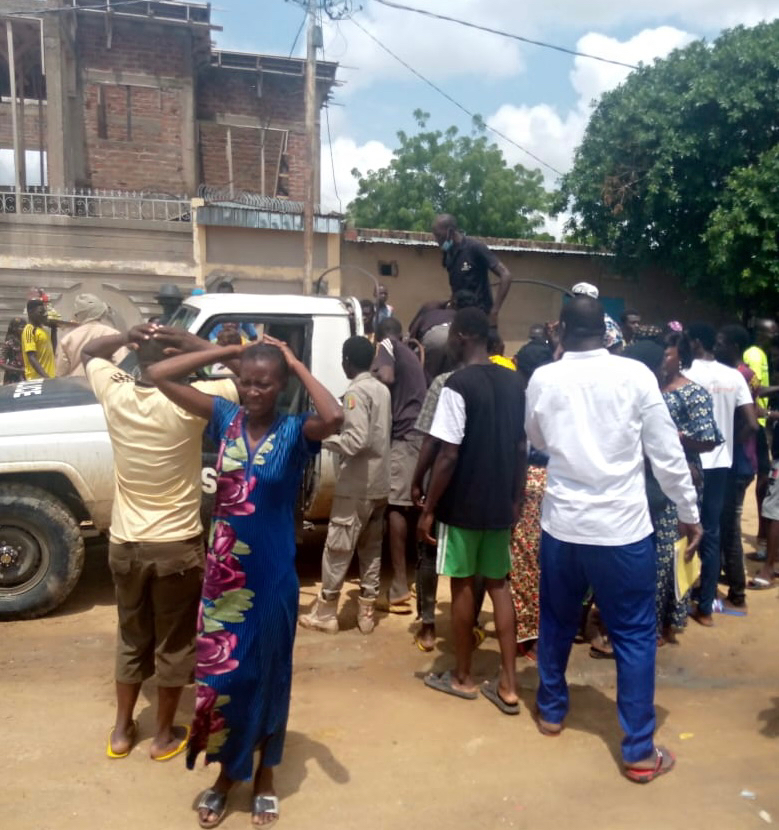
[(41, 552)]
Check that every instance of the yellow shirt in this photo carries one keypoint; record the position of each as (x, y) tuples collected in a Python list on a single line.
[(157, 456), (757, 361), (505, 362), (36, 339)]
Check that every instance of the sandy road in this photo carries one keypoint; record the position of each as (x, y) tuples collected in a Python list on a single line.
[(370, 747)]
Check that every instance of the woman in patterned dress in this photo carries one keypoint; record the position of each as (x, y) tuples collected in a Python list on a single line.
[(249, 605), (11, 352), (526, 536), (692, 411)]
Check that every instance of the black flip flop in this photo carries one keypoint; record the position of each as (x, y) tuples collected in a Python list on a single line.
[(597, 654), (491, 691), (443, 683), (215, 802)]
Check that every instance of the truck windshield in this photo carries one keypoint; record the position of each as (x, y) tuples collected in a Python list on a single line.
[(184, 317)]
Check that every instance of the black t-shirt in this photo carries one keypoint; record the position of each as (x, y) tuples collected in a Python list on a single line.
[(482, 491), (469, 264)]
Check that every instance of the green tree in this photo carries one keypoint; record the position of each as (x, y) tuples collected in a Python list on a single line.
[(743, 232), (662, 172), (444, 172)]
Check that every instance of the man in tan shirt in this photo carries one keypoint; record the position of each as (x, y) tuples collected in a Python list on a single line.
[(156, 550), (91, 313), (361, 492)]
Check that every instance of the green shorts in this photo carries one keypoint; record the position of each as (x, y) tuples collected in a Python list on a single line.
[(463, 553)]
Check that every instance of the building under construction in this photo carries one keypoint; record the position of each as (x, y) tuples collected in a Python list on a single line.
[(135, 97)]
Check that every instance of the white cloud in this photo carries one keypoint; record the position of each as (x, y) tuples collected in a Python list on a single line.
[(442, 50), (553, 135), (591, 78), (716, 14), (437, 49), (373, 155)]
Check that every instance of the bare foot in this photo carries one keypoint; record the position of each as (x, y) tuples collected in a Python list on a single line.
[(425, 638), (123, 737), (669, 635), (165, 744)]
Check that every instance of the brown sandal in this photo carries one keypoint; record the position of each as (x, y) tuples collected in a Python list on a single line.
[(664, 763), (548, 730)]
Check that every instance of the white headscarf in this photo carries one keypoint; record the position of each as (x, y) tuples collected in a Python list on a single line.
[(88, 308)]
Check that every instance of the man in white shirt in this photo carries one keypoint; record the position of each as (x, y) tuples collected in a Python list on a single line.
[(730, 394), (597, 416)]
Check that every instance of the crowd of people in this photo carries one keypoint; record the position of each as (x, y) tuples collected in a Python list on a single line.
[(569, 483)]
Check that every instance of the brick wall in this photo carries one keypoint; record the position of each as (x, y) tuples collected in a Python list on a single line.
[(231, 93), (135, 47), (30, 126), (144, 151)]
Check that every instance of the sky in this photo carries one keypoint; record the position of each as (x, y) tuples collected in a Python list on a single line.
[(538, 97)]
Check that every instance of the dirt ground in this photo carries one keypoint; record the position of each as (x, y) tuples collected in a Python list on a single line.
[(370, 746)]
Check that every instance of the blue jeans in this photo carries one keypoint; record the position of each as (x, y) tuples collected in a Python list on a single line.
[(714, 486), (623, 579)]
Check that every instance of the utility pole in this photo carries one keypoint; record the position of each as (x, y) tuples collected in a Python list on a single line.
[(312, 146)]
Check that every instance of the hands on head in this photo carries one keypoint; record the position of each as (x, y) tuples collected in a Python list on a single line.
[(289, 355)]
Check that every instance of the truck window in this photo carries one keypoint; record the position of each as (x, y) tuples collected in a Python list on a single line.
[(295, 332)]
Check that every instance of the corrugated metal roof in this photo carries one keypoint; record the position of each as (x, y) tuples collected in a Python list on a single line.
[(520, 246), (244, 216)]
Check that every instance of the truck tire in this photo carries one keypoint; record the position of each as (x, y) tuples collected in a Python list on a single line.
[(41, 552)]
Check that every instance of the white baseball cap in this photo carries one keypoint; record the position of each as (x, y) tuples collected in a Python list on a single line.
[(585, 288)]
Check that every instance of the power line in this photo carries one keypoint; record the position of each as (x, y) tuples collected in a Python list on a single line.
[(329, 137), (453, 101), (297, 36), (500, 33)]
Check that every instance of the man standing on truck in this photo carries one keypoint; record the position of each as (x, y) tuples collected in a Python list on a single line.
[(361, 492), (156, 550), (37, 351), (469, 262)]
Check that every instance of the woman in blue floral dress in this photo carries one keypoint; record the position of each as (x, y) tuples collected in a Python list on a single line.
[(692, 411), (249, 606)]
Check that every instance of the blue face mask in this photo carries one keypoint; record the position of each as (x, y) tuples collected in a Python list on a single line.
[(446, 245)]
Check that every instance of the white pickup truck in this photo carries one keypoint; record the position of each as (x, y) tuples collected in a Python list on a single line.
[(56, 464)]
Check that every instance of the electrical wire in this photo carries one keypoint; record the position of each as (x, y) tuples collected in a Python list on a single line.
[(499, 32), (453, 101), (297, 36), (329, 137)]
